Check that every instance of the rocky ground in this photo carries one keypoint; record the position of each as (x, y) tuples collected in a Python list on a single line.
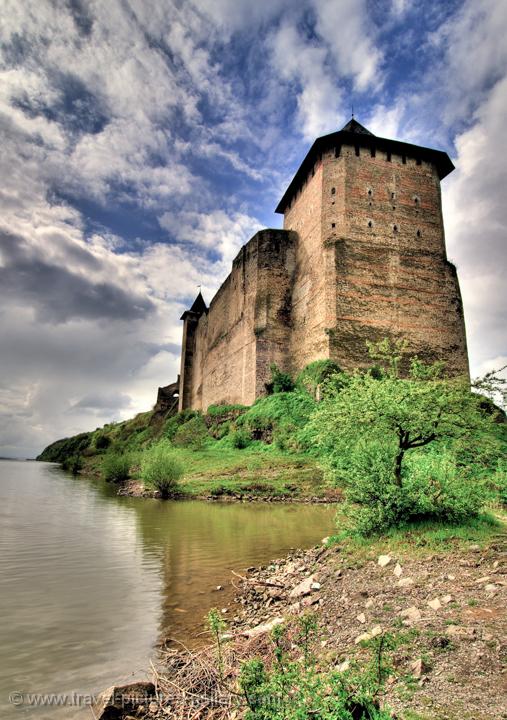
[(443, 613), (446, 613)]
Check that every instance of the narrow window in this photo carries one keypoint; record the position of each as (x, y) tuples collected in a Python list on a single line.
[(357, 150), (370, 193), (418, 233), (337, 151), (393, 196), (333, 191), (370, 224), (416, 200), (373, 151), (395, 228), (388, 157), (333, 225)]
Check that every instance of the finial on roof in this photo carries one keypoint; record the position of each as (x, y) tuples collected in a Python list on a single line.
[(354, 127)]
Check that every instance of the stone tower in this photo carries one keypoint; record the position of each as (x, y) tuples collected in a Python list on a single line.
[(371, 256), (361, 257)]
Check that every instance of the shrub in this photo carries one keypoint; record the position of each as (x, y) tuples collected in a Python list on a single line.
[(240, 439), (102, 442), (192, 434), (161, 469), (74, 464), (280, 381), (278, 415), (116, 466), (314, 374), (66, 448), (175, 421)]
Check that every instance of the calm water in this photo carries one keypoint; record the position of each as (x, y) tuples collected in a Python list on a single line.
[(90, 582)]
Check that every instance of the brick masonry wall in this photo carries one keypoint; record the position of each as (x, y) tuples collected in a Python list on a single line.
[(227, 352), (392, 277)]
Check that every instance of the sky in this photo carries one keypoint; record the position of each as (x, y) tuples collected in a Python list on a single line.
[(144, 141)]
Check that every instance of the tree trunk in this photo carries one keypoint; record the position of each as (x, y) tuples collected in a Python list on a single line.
[(397, 467)]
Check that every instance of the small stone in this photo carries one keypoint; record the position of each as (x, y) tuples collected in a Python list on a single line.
[(342, 667), (491, 588), (264, 628), (303, 588), (219, 587), (434, 604), (475, 548), (405, 582), (384, 560), (363, 637), (325, 540), (315, 586), (225, 610), (377, 630), (412, 613), (417, 668), (398, 570), (368, 603), (361, 618), (446, 599), (481, 580), (451, 577), (496, 564)]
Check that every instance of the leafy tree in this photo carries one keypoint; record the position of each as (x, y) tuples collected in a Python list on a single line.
[(280, 381), (368, 427)]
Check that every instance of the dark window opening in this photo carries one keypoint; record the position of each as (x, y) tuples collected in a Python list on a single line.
[(393, 195), (418, 233), (370, 193), (416, 200), (333, 225), (395, 228), (333, 191), (394, 207), (373, 151), (370, 224), (388, 157), (357, 150), (337, 151)]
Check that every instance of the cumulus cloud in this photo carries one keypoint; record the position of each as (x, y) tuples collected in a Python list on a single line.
[(144, 142)]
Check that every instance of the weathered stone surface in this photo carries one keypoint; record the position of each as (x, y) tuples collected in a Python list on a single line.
[(384, 560), (305, 587), (264, 628), (114, 702)]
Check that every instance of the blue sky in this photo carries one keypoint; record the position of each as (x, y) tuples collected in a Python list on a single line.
[(144, 141)]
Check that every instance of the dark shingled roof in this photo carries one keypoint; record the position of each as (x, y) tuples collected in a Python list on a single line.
[(354, 133), (198, 307)]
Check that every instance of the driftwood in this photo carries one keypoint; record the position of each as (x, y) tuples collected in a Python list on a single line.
[(256, 581)]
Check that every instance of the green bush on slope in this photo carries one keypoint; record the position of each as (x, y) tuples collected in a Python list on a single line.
[(161, 469)]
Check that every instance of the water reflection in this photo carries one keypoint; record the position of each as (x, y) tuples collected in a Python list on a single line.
[(91, 581)]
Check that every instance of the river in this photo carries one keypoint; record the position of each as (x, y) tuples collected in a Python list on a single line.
[(90, 582)]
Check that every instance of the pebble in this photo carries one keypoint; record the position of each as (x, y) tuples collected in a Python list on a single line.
[(405, 582), (361, 618), (445, 599), (435, 604), (342, 667), (398, 570), (412, 613), (490, 588), (384, 560)]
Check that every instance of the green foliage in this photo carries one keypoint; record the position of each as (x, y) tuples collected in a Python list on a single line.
[(116, 466), (102, 442), (73, 464), (161, 468), (240, 439), (175, 421), (225, 410), (494, 386), (217, 627), (314, 374), (66, 448), (300, 690), (192, 433), (499, 481), (376, 435), (280, 381), (278, 416)]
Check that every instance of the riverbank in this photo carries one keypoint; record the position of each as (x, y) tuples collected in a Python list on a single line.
[(434, 595)]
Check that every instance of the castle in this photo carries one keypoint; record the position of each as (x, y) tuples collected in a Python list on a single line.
[(361, 257)]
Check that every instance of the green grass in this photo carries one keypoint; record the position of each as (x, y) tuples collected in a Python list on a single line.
[(419, 539)]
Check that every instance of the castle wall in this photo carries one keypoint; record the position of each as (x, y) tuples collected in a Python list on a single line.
[(246, 328)]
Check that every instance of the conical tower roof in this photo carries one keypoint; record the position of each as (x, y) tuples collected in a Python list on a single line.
[(199, 307)]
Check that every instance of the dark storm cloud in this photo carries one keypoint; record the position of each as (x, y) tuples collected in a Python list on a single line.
[(57, 294)]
